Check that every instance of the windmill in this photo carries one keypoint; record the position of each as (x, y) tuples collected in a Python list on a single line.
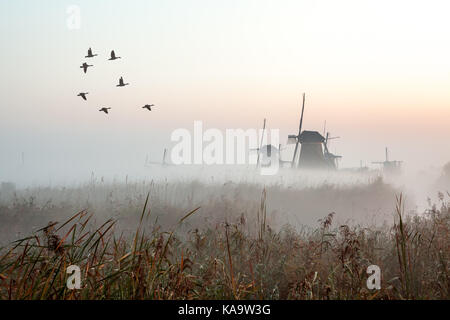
[(314, 153), (268, 153), (330, 157), (390, 166)]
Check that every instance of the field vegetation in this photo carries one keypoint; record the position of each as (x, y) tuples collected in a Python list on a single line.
[(161, 240)]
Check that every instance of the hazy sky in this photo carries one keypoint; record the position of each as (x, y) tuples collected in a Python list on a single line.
[(377, 71)]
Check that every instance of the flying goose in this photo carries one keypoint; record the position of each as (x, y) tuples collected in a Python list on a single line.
[(121, 84), (90, 55), (83, 95), (85, 66), (113, 56), (105, 110), (148, 107)]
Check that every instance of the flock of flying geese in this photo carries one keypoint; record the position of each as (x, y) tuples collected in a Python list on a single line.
[(113, 57)]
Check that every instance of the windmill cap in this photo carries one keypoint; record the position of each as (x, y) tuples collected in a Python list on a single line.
[(311, 137)]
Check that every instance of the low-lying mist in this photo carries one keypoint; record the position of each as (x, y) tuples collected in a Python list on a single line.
[(224, 194)]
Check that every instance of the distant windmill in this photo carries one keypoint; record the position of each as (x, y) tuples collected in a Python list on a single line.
[(330, 157), (390, 166), (268, 153)]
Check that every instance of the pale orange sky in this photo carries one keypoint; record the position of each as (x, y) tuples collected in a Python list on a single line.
[(377, 71)]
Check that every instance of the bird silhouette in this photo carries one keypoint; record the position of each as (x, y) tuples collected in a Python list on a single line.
[(148, 107), (105, 110), (113, 56), (121, 84), (85, 66), (83, 95), (90, 55)]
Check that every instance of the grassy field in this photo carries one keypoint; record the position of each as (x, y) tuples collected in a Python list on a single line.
[(230, 243)]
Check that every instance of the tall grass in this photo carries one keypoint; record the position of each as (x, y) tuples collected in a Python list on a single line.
[(241, 257)]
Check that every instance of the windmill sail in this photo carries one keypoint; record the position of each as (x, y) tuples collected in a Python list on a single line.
[(294, 163)]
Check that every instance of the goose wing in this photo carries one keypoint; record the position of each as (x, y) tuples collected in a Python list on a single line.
[(121, 81), (113, 54)]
